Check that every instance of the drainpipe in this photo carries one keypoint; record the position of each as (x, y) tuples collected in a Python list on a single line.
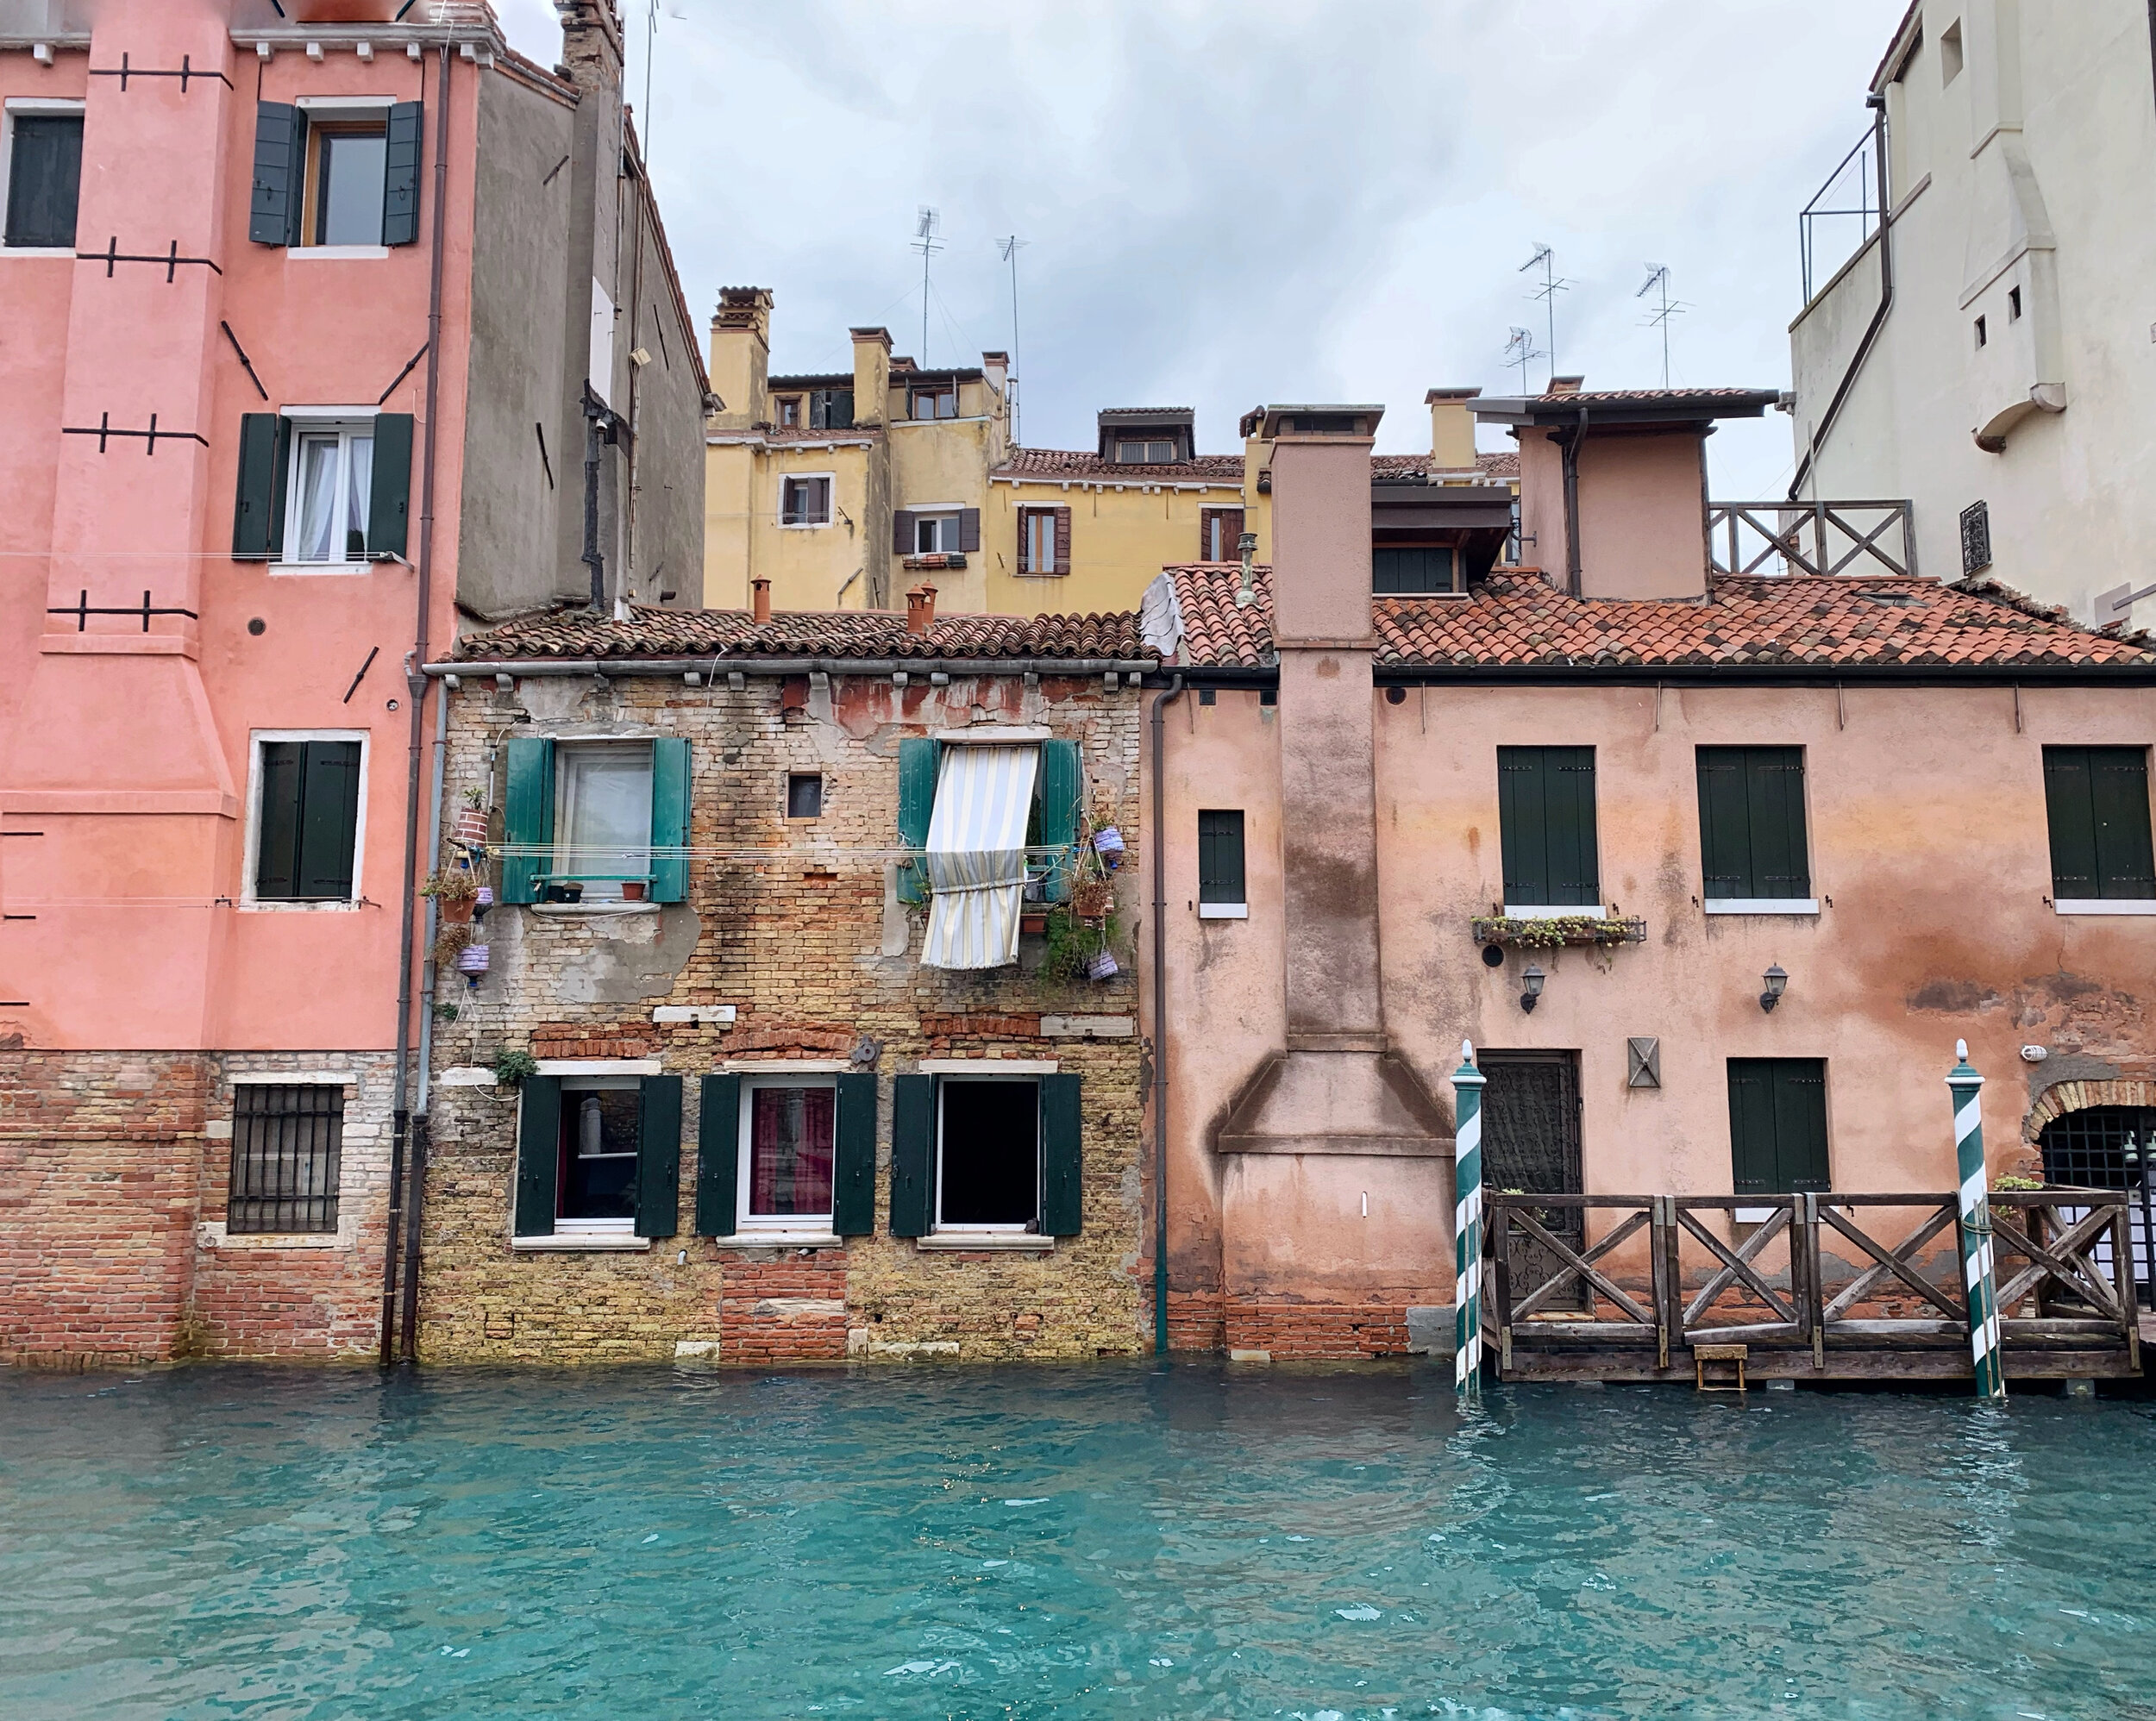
[(1570, 446), (593, 557), (415, 682), (421, 1121), (1160, 1027), (1877, 104)]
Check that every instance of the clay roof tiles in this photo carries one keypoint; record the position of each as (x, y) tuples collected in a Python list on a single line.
[(657, 633)]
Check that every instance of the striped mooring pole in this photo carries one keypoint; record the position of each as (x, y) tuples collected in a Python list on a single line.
[(1467, 1224), (1965, 1084)]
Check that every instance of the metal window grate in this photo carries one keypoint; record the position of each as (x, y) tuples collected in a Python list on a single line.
[(2089, 1149), (287, 1147)]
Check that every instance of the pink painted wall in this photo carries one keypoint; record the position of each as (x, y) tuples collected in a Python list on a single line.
[(1643, 515)]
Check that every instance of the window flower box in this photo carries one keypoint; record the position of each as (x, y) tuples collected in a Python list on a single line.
[(1559, 931)]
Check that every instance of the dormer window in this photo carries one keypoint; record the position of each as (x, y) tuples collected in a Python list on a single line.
[(932, 402), (1133, 452), (789, 411)]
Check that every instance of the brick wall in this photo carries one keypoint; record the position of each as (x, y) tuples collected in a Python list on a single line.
[(792, 923)]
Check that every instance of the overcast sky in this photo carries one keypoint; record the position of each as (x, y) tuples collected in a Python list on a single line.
[(1283, 200)]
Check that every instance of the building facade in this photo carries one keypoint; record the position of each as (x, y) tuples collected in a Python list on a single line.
[(798, 1088), (254, 478), (1986, 352)]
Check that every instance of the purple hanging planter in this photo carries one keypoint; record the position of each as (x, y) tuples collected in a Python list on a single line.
[(1103, 967), (473, 959)]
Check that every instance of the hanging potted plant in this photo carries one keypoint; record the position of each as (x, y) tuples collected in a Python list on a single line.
[(471, 829), (455, 891)]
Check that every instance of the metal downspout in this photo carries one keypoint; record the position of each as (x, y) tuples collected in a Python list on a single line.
[(1571, 457), (1160, 1027), (416, 681), (594, 558), (1886, 296), (422, 1120)]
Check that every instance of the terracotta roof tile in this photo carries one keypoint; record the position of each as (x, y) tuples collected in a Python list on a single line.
[(652, 632), (1517, 621)]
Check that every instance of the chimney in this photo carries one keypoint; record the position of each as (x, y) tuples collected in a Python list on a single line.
[(1452, 429), (1337, 1087), (760, 600), (591, 54), (921, 611), (741, 356), (872, 374), (1565, 385)]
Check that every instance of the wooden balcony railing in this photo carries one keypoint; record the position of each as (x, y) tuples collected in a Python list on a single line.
[(1819, 538)]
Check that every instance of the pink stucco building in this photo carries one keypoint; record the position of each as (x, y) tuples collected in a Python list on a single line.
[(319, 344)]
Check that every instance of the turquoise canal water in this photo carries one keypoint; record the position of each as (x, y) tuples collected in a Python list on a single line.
[(1119, 1540)]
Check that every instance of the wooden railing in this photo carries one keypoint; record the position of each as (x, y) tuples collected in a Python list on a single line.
[(1822, 538), (1831, 1274)]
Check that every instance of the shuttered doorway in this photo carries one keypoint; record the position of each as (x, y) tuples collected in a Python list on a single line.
[(1531, 1142)]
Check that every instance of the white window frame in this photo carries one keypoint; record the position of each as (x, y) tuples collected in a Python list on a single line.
[(333, 110), (566, 749), (347, 421), (779, 1225), (1760, 906), (1559, 911), (1028, 1071), (1147, 443), (32, 105), (581, 1084), (250, 861), (949, 523), (831, 501)]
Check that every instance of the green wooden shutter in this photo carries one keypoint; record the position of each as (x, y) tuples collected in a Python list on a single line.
[(1751, 1152), (328, 818), (1774, 791), (528, 817), (854, 1165), (280, 141), (538, 1154), (913, 1155), (2118, 795), (1575, 880), (2069, 810), (659, 1157), (1800, 1124), (669, 819), (1725, 831), (718, 1156), (918, 759), (1220, 857), (1546, 820), (388, 506), (1521, 824), (1063, 1157), (1061, 785), (284, 776), (400, 189), (255, 513)]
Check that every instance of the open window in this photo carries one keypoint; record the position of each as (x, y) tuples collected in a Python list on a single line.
[(1044, 540), (986, 1156), (805, 499), (599, 1156), (787, 1154), (596, 822), (1220, 534), (323, 492), (932, 400), (340, 177)]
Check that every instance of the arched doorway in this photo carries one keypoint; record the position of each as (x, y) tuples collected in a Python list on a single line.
[(2108, 1147)]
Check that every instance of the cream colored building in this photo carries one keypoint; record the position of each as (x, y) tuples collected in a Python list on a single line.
[(1991, 354), (846, 489)]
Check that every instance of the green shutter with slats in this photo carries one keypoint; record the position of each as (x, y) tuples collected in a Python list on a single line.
[(669, 819), (538, 1154), (1063, 1157), (854, 1161), (1220, 857), (2069, 810), (328, 818), (1778, 1125), (659, 1157), (281, 145), (1752, 823), (718, 1156), (277, 824), (257, 513), (528, 817), (1545, 818), (1062, 785), (918, 759), (2118, 794), (400, 179), (389, 503), (913, 1155)]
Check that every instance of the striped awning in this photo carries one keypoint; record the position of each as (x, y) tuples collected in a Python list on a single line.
[(976, 856)]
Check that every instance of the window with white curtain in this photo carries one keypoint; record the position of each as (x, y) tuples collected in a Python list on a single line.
[(603, 821), (332, 482)]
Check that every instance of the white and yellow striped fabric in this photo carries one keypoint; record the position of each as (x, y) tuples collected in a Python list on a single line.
[(976, 856)]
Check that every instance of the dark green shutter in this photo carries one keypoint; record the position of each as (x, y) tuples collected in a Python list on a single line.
[(280, 144), (328, 818), (44, 188), (919, 758), (718, 1156), (1062, 782), (400, 189), (1545, 817), (1752, 823), (2070, 809), (2118, 793), (538, 1154), (854, 1165), (1752, 1126), (1063, 1157), (255, 513), (388, 506), (528, 817), (669, 819), (1220, 857), (276, 836), (1778, 1125), (659, 1157), (913, 1155), (1724, 830)]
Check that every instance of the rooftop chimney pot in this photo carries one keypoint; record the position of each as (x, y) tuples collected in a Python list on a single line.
[(921, 611), (760, 600)]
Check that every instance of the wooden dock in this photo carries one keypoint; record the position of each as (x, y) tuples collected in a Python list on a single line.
[(1823, 1287)]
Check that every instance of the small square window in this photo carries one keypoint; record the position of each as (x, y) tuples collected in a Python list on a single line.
[(789, 410), (935, 535), (1981, 336), (287, 1148), (602, 1122), (806, 502), (805, 795), (932, 402), (988, 1155)]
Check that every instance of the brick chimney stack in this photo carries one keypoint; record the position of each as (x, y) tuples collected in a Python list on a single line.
[(760, 600), (921, 611)]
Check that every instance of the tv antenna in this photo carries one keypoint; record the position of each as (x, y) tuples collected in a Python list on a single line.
[(1519, 349), (927, 225), (1011, 247), (1552, 285), (1657, 282)]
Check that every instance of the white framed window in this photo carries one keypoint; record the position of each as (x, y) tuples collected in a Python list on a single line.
[(936, 533), (306, 820), (329, 490), (603, 815), (1145, 451), (344, 194), (988, 1155), (805, 499), (40, 175), (789, 1142), (1038, 536), (602, 1127)]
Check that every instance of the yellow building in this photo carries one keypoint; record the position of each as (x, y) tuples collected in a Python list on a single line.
[(846, 489)]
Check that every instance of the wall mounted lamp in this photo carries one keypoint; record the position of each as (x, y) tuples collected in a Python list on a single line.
[(1777, 983), (1532, 980)]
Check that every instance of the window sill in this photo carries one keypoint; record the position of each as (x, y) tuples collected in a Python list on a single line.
[(782, 1240), (66, 251), (803, 525), (977, 1243), (254, 907), (1041, 573), (216, 1236), (1762, 905), (1582, 911), (338, 253), (1224, 911), (595, 908), (595, 1240), (2144, 905), (319, 569)]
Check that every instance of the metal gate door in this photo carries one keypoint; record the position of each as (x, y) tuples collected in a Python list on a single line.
[(2109, 1146), (1530, 1143)]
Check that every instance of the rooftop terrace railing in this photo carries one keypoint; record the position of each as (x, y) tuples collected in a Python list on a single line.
[(1817, 538), (1843, 213)]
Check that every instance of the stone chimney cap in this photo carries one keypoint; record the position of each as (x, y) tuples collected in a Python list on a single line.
[(1315, 420), (863, 337), (1438, 394)]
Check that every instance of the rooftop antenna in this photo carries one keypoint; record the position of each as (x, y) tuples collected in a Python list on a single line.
[(1552, 285), (1657, 282), (1012, 246), (926, 227), (1519, 349)]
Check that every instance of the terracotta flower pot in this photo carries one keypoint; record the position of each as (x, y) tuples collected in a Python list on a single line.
[(455, 911), (1033, 924), (632, 890)]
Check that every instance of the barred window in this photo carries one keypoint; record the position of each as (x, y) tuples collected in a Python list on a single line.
[(287, 1146)]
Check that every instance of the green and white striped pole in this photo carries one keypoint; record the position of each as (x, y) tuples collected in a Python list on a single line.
[(1965, 1084), (1467, 1224)]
